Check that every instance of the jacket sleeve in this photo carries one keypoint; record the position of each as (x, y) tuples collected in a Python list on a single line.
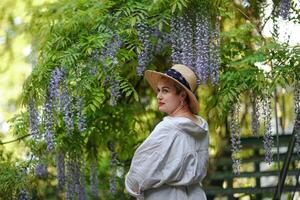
[(147, 164)]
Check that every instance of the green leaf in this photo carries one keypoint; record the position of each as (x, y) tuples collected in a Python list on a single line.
[(174, 7)]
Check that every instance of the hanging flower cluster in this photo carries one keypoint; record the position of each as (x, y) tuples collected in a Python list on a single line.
[(202, 47), (66, 108), (297, 111), (48, 117), (81, 118), (56, 78), (175, 39), (162, 40), (41, 171), (95, 57), (58, 101), (284, 8), (60, 168), (75, 179), (94, 178), (24, 195), (111, 49), (297, 129), (53, 94), (255, 114), (196, 43), (81, 187), (186, 40), (235, 138), (109, 52), (144, 57), (33, 119), (71, 179), (115, 92), (112, 166), (268, 139)]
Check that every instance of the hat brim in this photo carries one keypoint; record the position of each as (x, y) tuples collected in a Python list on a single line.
[(153, 77)]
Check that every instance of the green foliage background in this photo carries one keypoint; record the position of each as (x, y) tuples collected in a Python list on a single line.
[(65, 33)]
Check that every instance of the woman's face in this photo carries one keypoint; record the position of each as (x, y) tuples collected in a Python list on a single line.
[(167, 98)]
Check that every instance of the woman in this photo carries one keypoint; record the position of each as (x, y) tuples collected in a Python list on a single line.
[(171, 163)]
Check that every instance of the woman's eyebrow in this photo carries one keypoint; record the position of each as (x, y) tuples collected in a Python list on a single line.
[(164, 87)]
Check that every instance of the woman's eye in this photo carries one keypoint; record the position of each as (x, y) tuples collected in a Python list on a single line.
[(165, 91)]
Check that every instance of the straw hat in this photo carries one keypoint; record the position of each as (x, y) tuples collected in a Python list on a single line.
[(182, 75)]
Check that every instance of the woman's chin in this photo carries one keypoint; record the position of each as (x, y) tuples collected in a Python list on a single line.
[(161, 109)]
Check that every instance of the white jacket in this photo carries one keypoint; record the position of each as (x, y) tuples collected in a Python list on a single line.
[(171, 163)]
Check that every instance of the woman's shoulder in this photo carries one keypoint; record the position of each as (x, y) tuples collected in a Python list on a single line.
[(164, 124), (163, 130), (161, 136)]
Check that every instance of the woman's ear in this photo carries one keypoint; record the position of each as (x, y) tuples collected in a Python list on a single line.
[(183, 94)]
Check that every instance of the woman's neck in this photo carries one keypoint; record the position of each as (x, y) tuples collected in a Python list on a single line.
[(182, 112), (188, 114)]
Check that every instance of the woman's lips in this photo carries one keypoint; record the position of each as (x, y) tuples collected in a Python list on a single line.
[(160, 103)]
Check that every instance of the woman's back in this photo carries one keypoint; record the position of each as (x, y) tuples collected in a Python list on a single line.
[(171, 162)]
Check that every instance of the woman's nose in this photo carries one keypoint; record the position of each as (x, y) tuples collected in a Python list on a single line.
[(158, 96)]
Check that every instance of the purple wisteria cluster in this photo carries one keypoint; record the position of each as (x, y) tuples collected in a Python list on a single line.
[(297, 111), (75, 180), (162, 40), (48, 118), (94, 178), (114, 91), (202, 47), (112, 166), (41, 171), (60, 100), (24, 195), (186, 40), (284, 8), (95, 58), (81, 123), (34, 119), (53, 94), (255, 114), (196, 43), (108, 57), (235, 138), (268, 139), (66, 107), (57, 76), (175, 39), (82, 195), (297, 135), (60, 168), (144, 57), (72, 179), (111, 49)]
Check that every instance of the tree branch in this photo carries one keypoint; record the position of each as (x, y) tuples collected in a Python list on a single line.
[(11, 141)]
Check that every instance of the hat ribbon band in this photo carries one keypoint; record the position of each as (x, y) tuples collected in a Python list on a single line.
[(178, 76)]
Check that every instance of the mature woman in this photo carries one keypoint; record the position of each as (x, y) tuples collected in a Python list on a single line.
[(171, 163)]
